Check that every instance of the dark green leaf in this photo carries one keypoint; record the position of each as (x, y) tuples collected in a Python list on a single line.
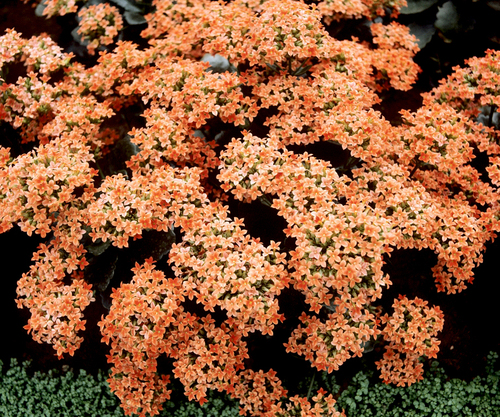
[(447, 19), (134, 18), (128, 5), (417, 6), (423, 33)]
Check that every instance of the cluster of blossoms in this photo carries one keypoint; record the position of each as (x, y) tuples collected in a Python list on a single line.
[(56, 308), (204, 136), (99, 25), (411, 332), (57, 7)]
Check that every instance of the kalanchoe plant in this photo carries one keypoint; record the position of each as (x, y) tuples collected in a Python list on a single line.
[(197, 137)]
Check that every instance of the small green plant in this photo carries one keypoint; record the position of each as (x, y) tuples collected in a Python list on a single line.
[(58, 393), (436, 396), (61, 394), (55, 393)]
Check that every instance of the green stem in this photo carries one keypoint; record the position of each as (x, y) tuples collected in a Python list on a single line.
[(311, 385), (101, 174)]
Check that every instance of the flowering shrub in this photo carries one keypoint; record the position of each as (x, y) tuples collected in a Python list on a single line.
[(201, 137)]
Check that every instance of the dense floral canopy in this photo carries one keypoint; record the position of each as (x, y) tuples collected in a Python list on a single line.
[(208, 135)]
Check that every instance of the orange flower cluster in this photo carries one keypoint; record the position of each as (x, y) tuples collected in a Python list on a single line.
[(393, 59), (338, 257), (124, 208), (99, 25), (471, 87), (36, 187), (471, 91), (146, 320), (262, 394), (335, 10), (56, 308), (278, 37), (199, 133), (327, 344), (58, 7), (411, 332), (221, 266), (139, 317), (28, 103), (307, 106)]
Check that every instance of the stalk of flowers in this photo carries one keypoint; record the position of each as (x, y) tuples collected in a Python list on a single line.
[(27, 105), (210, 359), (117, 70), (462, 237), (58, 7), (410, 332), (400, 368), (258, 392), (193, 95), (78, 116), (469, 88), (451, 227), (165, 140), (206, 356), (135, 328), (262, 394), (406, 204), (99, 25), (38, 185), (339, 254), (252, 167), (221, 266), (11, 47), (338, 10), (436, 138), (306, 105), (56, 308), (40, 54), (394, 57), (328, 343), (123, 207), (332, 240), (167, 18)]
